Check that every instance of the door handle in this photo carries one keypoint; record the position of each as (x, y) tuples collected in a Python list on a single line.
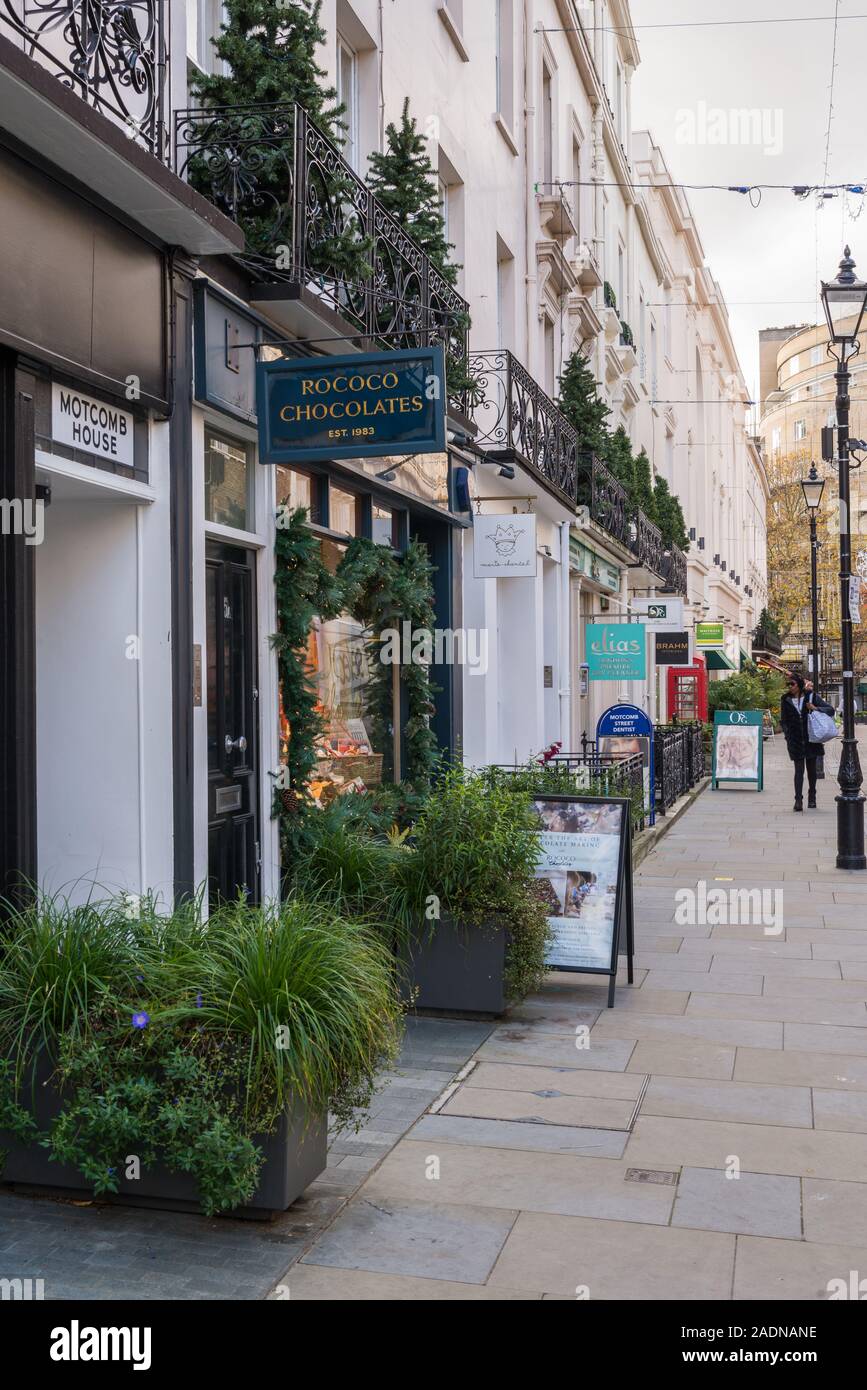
[(237, 745)]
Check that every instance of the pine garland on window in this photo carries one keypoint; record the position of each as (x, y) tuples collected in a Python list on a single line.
[(383, 591)]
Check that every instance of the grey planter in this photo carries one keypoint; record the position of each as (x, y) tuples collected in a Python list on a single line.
[(456, 969), (295, 1155)]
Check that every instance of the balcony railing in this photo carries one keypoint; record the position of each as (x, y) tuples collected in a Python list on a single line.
[(764, 641), (515, 418), (674, 571), (311, 222), (647, 545), (599, 490), (113, 55)]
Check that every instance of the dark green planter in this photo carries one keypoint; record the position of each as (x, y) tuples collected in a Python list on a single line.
[(456, 969)]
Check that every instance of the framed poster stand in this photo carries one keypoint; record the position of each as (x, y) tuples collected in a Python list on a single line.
[(738, 748), (585, 864)]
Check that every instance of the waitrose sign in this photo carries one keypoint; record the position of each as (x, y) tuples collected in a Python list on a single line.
[(616, 651), (360, 406)]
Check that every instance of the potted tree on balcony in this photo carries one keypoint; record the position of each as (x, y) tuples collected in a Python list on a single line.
[(169, 1062)]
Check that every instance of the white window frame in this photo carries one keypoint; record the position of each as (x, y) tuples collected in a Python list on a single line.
[(347, 56)]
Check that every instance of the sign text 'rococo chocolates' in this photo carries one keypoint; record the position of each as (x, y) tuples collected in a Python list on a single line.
[(365, 405)]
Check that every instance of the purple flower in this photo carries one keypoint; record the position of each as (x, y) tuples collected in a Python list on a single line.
[(198, 1001), (140, 978), (140, 1020)]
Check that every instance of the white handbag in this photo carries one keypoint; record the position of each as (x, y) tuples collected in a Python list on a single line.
[(821, 726)]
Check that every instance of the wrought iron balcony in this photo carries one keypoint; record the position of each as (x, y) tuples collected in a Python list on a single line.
[(516, 420), (674, 571), (765, 641), (112, 53), (312, 223), (647, 545), (600, 491)]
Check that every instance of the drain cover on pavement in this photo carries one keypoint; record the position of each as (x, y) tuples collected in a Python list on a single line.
[(655, 1175)]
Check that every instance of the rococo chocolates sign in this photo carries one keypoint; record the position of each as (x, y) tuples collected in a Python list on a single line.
[(359, 406)]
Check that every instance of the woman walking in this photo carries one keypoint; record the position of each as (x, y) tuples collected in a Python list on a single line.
[(797, 703)]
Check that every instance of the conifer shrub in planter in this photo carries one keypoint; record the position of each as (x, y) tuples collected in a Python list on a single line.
[(176, 1062), (479, 925)]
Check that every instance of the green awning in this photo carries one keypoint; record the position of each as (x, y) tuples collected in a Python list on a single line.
[(746, 659), (718, 661)]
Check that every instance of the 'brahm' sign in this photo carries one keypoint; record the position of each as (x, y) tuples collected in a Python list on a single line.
[(366, 405)]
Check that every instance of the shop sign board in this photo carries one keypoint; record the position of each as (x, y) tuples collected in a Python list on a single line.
[(623, 731), (659, 613), (738, 754), (616, 651), (367, 405), (81, 422), (710, 635), (504, 546), (672, 648), (585, 870)]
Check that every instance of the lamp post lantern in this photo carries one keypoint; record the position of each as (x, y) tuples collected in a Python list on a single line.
[(845, 301), (813, 486)]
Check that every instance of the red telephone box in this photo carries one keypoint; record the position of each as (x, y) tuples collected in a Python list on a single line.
[(687, 692)]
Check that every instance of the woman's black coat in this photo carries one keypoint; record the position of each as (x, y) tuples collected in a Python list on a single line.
[(795, 726)]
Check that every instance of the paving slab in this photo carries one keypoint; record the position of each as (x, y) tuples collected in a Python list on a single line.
[(518, 1179), (664, 1143), (734, 1032), (566, 1255), (758, 1204), (776, 1009), (683, 1057), (704, 981), (458, 1243), (513, 1077), (845, 1110), (309, 1283), (834, 1071), (544, 1107), (836, 1213), (686, 1098), (556, 1049), (783, 1270), (507, 1134)]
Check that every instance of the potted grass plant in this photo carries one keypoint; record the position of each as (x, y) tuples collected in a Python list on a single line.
[(168, 1061), (479, 923)]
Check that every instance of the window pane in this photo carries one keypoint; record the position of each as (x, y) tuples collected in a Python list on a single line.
[(226, 483), (383, 526), (343, 511), (295, 490)]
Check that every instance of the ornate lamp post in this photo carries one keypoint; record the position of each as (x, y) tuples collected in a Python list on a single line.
[(845, 301), (813, 486)]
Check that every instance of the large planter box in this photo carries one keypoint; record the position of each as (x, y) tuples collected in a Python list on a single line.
[(456, 969), (295, 1155)]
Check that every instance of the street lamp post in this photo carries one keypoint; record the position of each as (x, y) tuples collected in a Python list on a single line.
[(813, 486), (845, 301)]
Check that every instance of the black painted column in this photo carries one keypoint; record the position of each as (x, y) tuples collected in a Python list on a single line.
[(18, 858)]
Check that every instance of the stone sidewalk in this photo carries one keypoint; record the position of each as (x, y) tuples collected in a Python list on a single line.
[(553, 1172)]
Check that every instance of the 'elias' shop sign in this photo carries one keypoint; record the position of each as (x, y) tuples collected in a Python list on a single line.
[(83, 423), (360, 406)]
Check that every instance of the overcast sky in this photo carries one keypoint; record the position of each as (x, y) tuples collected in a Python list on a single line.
[(767, 260)]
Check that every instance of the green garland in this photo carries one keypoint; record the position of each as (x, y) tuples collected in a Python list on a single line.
[(384, 592)]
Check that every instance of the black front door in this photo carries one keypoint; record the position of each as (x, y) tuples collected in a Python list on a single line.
[(233, 761)]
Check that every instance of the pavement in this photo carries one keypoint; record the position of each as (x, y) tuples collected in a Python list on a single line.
[(710, 1142), (704, 1139)]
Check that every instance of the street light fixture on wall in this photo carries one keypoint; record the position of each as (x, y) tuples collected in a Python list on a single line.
[(845, 301), (812, 487)]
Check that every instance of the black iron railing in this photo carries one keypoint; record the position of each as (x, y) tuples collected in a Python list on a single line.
[(678, 751), (765, 641), (515, 417), (674, 568), (114, 54), (647, 544), (599, 490), (597, 774), (311, 221)]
